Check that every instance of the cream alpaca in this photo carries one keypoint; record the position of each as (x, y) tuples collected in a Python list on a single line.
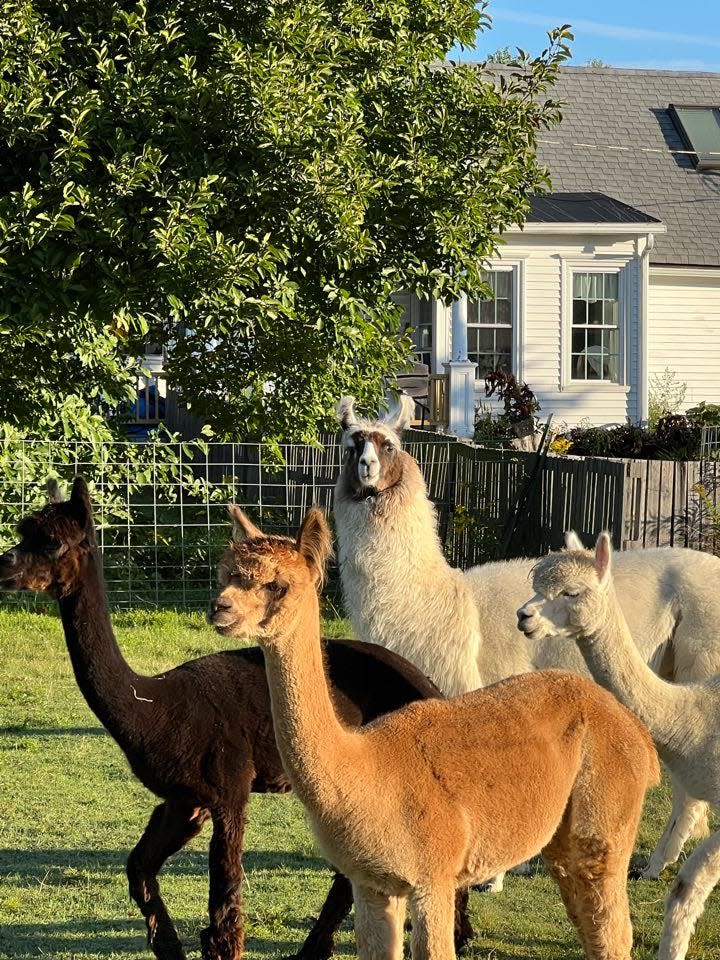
[(460, 628), (575, 592), (442, 793)]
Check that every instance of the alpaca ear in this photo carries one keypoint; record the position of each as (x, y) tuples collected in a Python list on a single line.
[(243, 527), (401, 413), (603, 555), (80, 503), (313, 541), (345, 412), (53, 491), (573, 541)]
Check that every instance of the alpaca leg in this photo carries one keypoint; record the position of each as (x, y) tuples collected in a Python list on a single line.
[(593, 886), (432, 924), (379, 924), (320, 942), (464, 932), (224, 938), (168, 830), (686, 816), (686, 900)]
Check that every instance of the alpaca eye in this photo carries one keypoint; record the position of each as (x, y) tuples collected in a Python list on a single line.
[(569, 593), (276, 589), (388, 447)]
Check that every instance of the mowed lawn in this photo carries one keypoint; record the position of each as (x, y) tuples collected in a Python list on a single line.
[(71, 811)]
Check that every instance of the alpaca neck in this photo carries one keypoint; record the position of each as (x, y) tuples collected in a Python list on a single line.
[(106, 681), (616, 663), (310, 737)]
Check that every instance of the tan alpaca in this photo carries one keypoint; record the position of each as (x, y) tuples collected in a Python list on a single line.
[(442, 794)]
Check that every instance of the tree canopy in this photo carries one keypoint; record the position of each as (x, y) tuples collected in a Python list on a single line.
[(248, 183)]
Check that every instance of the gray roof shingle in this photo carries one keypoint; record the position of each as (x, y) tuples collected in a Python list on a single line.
[(612, 107)]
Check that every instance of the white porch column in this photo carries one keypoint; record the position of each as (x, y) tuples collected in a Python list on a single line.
[(461, 374)]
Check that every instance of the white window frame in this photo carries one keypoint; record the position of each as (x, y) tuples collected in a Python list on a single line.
[(619, 266), (516, 268), (415, 302)]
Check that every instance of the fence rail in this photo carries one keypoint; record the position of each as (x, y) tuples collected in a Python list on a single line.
[(162, 521)]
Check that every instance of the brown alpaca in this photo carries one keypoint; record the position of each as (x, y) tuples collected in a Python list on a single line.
[(200, 736), (444, 793)]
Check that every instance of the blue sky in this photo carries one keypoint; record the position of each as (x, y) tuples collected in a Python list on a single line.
[(658, 35)]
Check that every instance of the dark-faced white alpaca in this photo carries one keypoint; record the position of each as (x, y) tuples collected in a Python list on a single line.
[(460, 627), (575, 592), (446, 792)]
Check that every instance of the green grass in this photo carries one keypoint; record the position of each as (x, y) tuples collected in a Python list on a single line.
[(71, 811)]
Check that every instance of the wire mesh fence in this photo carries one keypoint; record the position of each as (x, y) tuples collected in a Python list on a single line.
[(161, 508)]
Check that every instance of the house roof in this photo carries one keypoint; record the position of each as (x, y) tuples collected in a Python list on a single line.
[(584, 207), (616, 137)]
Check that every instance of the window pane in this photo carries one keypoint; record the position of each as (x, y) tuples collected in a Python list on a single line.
[(579, 311), (594, 338), (595, 311), (504, 313), (485, 340), (595, 286), (424, 311), (594, 363), (578, 366), (503, 361), (485, 363), (424, 338), (502, 285), (578, 341), (610, 341), (702, 128), (581, 286), (611, 313), (612, 368), (611, 286), (473, 346), (472, 311), (487, 311), (503, 341)]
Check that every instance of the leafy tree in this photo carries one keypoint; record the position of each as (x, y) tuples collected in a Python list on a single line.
[(250, 183)]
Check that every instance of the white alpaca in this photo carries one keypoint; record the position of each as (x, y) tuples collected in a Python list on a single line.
[(575, 592), (460, 628)]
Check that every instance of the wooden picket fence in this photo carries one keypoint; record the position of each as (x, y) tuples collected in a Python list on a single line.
[(483, 495)]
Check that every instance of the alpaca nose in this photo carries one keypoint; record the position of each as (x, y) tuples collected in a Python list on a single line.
[(524, 614), (9, 558), (218, 604)]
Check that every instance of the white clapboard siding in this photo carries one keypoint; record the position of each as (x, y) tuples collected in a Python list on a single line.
[(542, 322), (684, 330)]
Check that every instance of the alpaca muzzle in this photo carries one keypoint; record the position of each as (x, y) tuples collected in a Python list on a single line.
[(8, 568)]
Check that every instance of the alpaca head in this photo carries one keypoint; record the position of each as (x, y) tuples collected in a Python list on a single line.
[(374, 460), (571, 592), (55, 544), (266, 580)]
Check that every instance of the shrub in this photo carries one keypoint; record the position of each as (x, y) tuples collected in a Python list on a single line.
[(665, 395)]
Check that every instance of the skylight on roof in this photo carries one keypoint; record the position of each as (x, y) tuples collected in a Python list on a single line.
[(700, 129)]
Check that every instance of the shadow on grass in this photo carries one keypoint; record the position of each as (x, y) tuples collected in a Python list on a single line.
[(44, 865), (110, 937), (20, 731)]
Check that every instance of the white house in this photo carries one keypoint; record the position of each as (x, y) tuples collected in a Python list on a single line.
[(616, 274)]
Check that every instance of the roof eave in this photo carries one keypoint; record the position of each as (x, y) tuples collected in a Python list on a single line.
[(606, 229)]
